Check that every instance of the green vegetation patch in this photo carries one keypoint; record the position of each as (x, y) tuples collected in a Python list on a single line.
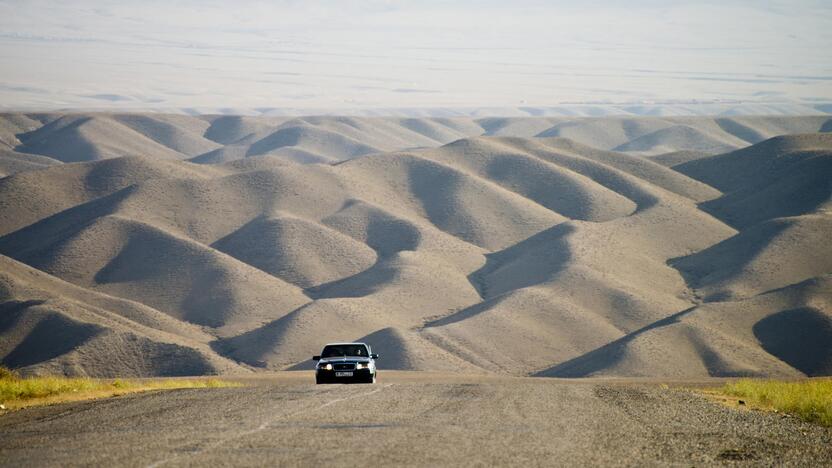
[(16, 392), (810, 400)]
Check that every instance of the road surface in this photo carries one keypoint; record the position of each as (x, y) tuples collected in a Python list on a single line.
[(410, 419)]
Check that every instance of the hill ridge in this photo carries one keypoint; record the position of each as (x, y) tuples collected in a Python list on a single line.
[(467, 245)]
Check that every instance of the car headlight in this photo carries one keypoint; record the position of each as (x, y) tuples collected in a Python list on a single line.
[(362, 365), (325, 367)]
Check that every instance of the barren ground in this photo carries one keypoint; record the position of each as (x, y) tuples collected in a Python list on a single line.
[(411, 418)]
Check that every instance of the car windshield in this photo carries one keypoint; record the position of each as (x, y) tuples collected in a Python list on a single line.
[(344, 350)]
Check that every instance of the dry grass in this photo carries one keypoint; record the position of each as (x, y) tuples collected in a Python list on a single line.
[(16, 392), (810, 400)]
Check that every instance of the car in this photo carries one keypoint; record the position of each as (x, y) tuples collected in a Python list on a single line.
[(345, 363)]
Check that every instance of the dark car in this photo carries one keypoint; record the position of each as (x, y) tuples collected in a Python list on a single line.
[(346, 363)]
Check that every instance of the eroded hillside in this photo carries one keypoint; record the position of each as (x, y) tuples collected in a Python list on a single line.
[(185, 245)]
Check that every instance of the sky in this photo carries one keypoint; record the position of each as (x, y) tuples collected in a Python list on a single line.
[(309, 54)]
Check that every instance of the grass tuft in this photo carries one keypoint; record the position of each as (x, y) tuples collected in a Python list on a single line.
[(810, 400), (16, 392), (7, 374)]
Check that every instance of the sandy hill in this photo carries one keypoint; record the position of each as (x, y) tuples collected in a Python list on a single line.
[(762, 162), (228, 129), (12, 162), (87, 138), (785, 332), (680, 136), (51, 326), (29, 196), (217, 139), (784, 176), (675, 158), (533, 254), (12, 125)]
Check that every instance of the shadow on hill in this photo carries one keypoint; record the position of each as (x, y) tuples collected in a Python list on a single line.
[(740, 130), (802, 338), (308, 364), (387, 343), (12, 311), (391, 347), (361, 284), (253, 347), (727, 259), (796, 189), (467, 312), (51, 337), (606, 356), (384, 232), (436, 187), (516, 263)]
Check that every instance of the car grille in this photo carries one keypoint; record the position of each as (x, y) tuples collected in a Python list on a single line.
[(346, 366)]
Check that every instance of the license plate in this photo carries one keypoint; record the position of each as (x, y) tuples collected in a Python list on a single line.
[(343, 374)]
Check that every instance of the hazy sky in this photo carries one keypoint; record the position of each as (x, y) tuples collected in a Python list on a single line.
[(373, 53)]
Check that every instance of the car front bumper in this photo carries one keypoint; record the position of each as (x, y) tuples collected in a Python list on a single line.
[(358, 376)]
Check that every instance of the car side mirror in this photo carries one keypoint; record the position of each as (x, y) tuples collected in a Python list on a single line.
[(316, 358), (374, 356)]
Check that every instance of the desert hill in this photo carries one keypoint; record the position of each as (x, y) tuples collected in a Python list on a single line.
[(215, 139), (784, 176), (52, 326), (784, 332), (540, 251)]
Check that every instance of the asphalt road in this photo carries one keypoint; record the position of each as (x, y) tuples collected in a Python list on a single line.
[(409, 419)]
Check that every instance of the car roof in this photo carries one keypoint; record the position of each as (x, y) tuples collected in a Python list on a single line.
[(341, 344)]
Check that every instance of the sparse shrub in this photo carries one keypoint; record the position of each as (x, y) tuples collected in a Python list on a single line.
[(811, 400), (8, 374), (21, 392), (121, 384)]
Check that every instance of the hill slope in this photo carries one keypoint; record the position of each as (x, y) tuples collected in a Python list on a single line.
[(535, 255), (215, 139)]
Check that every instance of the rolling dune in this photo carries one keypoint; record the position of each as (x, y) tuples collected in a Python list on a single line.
[(214, 139), (73, 138), (167, 245), (54, 327)]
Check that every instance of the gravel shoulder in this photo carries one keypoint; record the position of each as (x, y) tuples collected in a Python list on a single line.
[(412, 419)]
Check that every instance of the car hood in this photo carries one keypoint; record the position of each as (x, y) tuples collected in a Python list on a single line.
[(333, 360)]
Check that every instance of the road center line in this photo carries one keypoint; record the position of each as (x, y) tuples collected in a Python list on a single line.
[(261, 427)]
